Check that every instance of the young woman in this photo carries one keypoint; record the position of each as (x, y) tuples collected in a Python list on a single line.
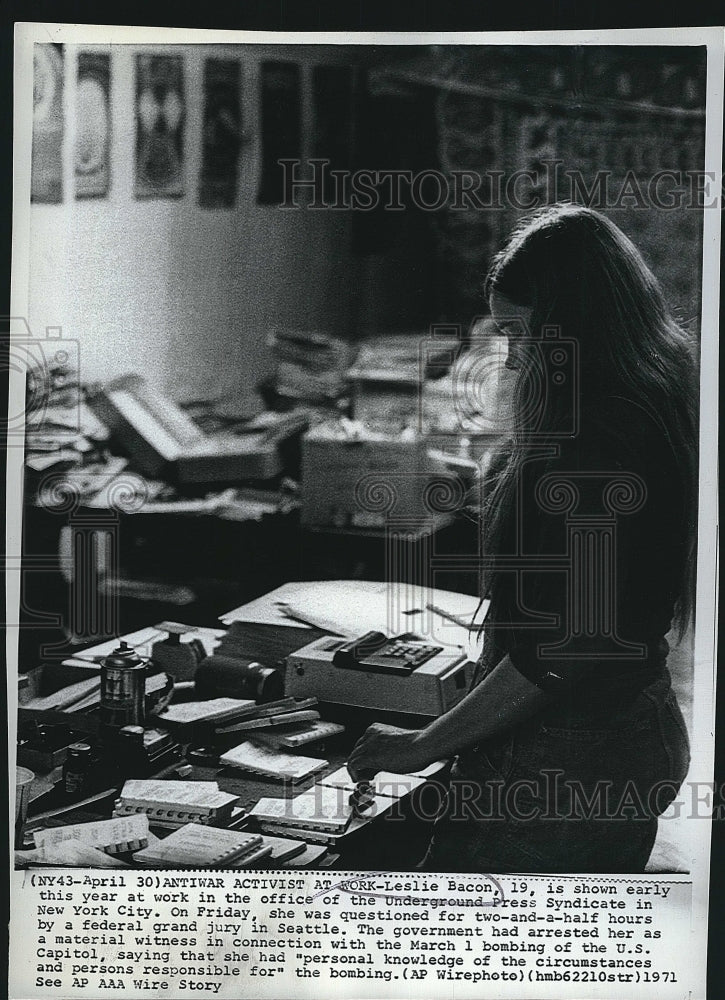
[(570, 742)]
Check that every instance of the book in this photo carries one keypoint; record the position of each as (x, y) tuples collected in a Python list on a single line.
[(312, 855), (68, 698), (321, 808), (175, 803), (114, 836), (386, 783), (313, 837), (283, 849), (285, 719), (272, 763), (188, 713), (285, 705), (297, 736), (196, 846), (324, 834)]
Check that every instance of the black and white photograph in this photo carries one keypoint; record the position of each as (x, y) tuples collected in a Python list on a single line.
[(362, 435)]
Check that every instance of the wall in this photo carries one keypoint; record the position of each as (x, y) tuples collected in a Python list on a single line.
[(185, 294)]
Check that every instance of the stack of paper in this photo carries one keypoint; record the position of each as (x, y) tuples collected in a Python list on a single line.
[(272, 763), (175, 803), (194, 846), (114, 836)]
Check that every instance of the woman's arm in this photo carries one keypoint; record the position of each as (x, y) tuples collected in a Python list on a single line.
[(501, 701)]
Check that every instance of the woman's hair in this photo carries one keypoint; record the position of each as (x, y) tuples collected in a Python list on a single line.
[(576, 271)]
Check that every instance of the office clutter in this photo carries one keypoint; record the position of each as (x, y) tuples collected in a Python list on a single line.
[(351, 607), (310, 366), (180, 658), (361, 479), (198, 764), (163, 440), (390, 372), (428, 410)]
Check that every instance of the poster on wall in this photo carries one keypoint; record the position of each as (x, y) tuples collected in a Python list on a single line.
[(221, 138), (160, 117), (91, 161), (332, 90), (46, 178), (281, 126)]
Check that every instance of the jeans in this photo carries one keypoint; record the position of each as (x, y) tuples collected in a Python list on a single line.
[(570, 791)]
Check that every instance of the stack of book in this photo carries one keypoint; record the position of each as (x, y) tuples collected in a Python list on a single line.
[(173, 804), (194, 846), (325, 813), (310, 365)]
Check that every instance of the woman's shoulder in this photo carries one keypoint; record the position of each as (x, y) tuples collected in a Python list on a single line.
[(616, 431)]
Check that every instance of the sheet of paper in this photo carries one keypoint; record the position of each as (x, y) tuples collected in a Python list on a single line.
[(385, 783), (273, 762), (265, 610), (351, 607)]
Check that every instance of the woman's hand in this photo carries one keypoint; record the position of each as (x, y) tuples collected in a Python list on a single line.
[(387, 748)]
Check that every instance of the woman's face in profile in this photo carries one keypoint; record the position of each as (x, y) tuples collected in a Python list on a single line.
[(513, 321)]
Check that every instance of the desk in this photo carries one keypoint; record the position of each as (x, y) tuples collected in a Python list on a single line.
[(387, 843), (189, 568)]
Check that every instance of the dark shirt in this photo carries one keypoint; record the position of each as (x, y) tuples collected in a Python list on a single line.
[(599, 532)]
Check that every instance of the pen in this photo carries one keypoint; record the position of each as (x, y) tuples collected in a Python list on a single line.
[(448, 616)]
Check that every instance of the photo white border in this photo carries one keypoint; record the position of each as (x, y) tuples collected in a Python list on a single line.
[(707, 550)]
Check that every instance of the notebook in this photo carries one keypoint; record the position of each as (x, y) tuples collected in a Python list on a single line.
[(272, 763), (283, 849), (285, 719), (298, 736), (321, 808), (282, 707), (176, 802), (386, 783), (187, 713), (313, 855), (195, 846), (114, 836)]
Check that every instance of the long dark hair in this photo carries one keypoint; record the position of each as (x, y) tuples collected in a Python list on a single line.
[(575, 270)]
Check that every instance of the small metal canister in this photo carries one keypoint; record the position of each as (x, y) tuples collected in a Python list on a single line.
[(123, 687)]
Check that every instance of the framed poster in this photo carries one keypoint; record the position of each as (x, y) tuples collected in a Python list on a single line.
[(160, 115), (93, 125)]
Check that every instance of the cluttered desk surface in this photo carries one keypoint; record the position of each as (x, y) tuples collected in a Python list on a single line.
[(197, 747)]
